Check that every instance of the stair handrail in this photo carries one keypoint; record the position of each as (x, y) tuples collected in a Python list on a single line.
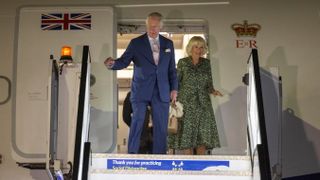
[(260, 142)]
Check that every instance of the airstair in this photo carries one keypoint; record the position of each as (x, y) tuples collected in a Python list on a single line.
[(262, 160), (259, 163)]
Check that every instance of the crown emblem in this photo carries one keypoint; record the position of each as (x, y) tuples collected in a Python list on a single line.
[(246, 29)]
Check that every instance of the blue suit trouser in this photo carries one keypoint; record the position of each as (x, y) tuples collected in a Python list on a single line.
[(160, 114)]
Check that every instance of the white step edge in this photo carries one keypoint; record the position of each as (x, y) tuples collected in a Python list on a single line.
[(157, 156), (141, 172)]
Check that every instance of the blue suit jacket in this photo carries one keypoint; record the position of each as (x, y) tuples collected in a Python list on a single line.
[(146, 72)]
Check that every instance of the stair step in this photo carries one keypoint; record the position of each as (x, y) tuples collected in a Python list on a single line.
[(168, 175), (172, 163)]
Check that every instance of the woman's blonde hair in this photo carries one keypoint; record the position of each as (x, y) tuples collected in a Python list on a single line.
[(196, 40)]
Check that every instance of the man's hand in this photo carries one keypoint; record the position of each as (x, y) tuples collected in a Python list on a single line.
[(173, 96), (216, 93), (109, 62)]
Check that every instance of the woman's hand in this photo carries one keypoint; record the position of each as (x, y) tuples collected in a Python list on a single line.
[(216, 93)]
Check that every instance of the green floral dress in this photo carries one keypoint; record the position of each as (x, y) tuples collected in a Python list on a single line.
[(197, 127)]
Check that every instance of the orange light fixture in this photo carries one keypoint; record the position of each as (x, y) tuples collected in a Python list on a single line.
[(66, 54)]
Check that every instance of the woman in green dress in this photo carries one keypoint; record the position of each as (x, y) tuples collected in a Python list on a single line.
[(197, 128)]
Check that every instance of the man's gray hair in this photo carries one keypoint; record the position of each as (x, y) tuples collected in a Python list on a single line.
[(155, 15)]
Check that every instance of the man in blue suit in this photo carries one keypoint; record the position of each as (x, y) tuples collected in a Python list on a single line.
[(154, 82)]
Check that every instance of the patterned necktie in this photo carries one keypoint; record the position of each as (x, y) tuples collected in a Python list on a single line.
[(155, 51)]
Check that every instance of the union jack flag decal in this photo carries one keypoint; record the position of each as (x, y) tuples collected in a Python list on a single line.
[(66, 21)]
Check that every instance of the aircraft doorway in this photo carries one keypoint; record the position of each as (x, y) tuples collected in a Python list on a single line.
[(180, 32)]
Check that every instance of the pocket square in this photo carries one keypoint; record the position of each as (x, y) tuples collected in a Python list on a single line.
[(167, 50)]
